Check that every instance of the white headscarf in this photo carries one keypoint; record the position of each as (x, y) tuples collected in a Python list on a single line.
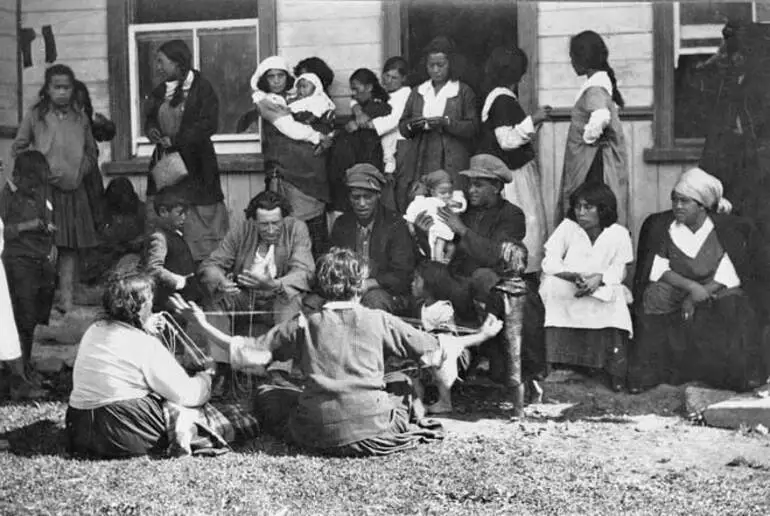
[(703, 187), (318, 103), (271, 63), (186, 85)]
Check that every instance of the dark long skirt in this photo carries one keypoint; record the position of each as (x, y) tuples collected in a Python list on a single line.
[(596, 349), (129, 428), (721, 347), (73, 219), (276, 405)]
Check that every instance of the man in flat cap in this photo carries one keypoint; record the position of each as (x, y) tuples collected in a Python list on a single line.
[(488, 221), (379, 236)]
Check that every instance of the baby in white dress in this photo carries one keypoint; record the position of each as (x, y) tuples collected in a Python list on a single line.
[(436, 191)]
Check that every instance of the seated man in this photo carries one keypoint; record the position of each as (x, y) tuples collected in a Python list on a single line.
[(263, 265), (378, 235), (488, 221)]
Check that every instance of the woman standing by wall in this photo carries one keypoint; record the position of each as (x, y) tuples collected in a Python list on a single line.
[(299, 162), (507, 132), (596, 149), (440, 121), (57, 127), (183, 116)]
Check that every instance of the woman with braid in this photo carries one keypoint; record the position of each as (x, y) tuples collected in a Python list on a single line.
[(595, 150)]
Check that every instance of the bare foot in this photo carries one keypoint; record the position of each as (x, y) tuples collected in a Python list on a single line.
[(439, 407)]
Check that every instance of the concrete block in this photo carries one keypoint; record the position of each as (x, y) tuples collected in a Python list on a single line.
[(746, 410), (697, 399)]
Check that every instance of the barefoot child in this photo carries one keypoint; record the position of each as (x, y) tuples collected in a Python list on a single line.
[(28, 257), (349, 406), (434, 191), (57, 127)]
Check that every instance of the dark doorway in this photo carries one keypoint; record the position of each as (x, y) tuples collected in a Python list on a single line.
[(476, 27)]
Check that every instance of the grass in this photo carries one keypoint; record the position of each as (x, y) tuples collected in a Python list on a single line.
[(594, 452)]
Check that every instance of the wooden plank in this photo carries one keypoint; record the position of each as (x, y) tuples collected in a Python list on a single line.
[(628, 138), (63, 5), (268, 28), (64, 22), (87, 70), (643, 190), (664, 74), (119, 16), (565, 98), (632, 46), (304, 10), (238, 196), (391, 29), (81, 46), (340, 58), (527, 34), (667, 178), (546, 168), (630, 74), (330, 32), (619, 19)]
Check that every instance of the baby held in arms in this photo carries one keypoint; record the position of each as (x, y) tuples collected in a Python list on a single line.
[(308, 105), (434, 191)]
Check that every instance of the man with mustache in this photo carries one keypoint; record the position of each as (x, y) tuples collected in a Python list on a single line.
[(378, 235)]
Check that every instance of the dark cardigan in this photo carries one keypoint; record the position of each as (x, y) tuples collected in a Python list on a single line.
[(391, 253), (740, 240), (193, 141)]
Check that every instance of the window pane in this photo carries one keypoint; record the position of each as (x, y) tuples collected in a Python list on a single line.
[(709, 13), (228, 58), (165, 11), (147, 46)]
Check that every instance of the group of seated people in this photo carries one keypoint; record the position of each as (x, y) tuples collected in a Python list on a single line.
[(268, 308)]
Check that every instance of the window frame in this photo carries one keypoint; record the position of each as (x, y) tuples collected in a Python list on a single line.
[(120, 16), (139, 143), (667, 148)]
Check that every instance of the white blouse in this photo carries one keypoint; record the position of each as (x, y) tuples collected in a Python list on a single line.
[(508, 137), (690, 243), (434, 103)]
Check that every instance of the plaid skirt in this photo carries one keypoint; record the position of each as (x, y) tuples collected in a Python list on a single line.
[(152, 426)]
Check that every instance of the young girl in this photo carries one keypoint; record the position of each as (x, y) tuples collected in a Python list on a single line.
[(507, 133), (437, 315), (29, 254), (596, 150), (358, 143), (58, 128), (435, 191)]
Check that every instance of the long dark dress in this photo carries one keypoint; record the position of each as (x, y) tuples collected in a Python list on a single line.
[(722, 345)]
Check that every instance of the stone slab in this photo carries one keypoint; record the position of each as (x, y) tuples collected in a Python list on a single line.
[(749, 410), (697, 399)]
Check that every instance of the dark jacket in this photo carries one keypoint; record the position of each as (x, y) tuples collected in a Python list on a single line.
[(449, 148), (740, 240), (166, 255), (391, 252), (193, 141), (488, 227)]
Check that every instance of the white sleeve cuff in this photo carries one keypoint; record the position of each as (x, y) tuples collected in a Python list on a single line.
[(659, 267), (513, 137), (726, 274), (599, 120)]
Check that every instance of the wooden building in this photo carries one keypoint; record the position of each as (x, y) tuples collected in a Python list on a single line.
[(109, 44)]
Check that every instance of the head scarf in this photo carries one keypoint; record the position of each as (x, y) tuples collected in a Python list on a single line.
[(703, 187), (318, 103), (271, 63)]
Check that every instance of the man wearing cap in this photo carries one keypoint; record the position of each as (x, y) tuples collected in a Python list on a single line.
[(380, 236), (488, 221)]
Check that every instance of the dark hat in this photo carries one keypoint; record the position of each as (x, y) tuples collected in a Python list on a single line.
[(364, 175), (486, 166)]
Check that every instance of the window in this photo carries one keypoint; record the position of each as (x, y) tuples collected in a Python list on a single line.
[(220, 49), (227, 37), (687, 35)]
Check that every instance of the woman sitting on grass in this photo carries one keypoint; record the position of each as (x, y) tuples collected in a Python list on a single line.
[(349, 406), (129, 392)]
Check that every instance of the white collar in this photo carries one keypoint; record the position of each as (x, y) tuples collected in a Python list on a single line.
[(599, 79), (688, 241), (450, 89), (497, 92), (340, 305), (186, 85)]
